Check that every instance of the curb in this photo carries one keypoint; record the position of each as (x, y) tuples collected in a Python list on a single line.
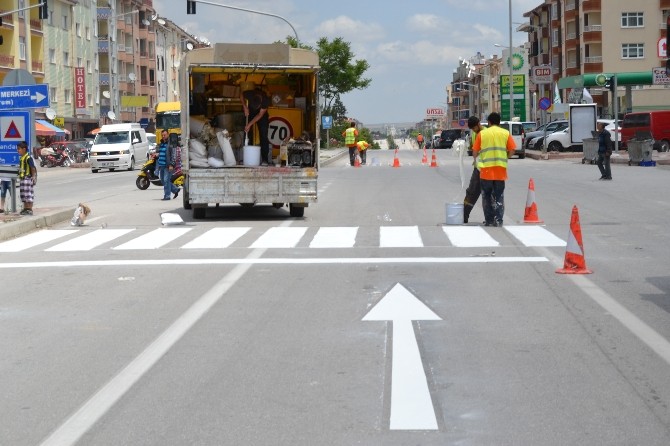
[(27, 224), (621, 158)]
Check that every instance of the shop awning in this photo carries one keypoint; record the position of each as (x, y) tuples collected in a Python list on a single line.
[(45, 128)]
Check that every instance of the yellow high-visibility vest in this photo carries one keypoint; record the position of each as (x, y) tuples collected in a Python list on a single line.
[(350, 136), (493, 151)]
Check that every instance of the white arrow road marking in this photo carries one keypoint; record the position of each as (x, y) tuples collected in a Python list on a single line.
[(411, 404)]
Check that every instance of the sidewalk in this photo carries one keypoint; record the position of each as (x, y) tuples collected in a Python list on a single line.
[(662, 158)]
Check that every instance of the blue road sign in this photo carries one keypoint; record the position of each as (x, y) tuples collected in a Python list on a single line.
[(24, 96), (14, 128), (327, 122)]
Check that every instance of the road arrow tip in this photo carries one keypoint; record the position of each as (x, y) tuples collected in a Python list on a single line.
[(399, 304)]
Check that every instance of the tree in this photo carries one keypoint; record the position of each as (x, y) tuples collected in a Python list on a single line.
[(340, 73)]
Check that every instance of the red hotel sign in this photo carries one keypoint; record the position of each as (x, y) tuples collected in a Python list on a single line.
[(80, 90), (435, 112)]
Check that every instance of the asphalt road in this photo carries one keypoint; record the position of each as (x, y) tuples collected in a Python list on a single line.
[(368, 321)]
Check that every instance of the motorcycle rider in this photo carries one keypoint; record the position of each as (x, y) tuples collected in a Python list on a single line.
[(166, 164)]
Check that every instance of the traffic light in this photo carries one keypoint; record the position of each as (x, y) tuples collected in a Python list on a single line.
[(190, 6), (44, 10), (609, 83)]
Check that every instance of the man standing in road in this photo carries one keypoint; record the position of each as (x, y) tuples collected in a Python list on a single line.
[(419, 140), (493, 145), (255, 104), (27, 178), (350, 135), (474, 189), (166, 162), (604, 152)]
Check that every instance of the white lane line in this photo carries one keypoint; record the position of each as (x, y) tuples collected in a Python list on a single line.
[(271, 261), (90, 240), (34, 239), (71, 431), (334, 237), (279, 238), (400, 237), (154, 239), (469, 237), (216, 238), (534, 236)]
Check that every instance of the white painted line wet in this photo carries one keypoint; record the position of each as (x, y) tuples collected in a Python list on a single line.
[(532, 236), (279, 238), (90, 240), (469, 237), (216, 238), (154, 239), (400, 237), (334, 237), (34, 239)]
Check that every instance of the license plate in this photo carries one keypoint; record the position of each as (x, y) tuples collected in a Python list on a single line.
[(106, 164)]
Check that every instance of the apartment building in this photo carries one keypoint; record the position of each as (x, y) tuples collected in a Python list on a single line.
[(582, 38)]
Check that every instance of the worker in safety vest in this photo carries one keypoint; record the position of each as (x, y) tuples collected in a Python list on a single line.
[(362, 149), (350, 135), (493, 146), (419, 140)]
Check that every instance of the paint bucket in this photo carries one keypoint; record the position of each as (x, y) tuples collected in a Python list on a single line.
[(252, 155), (454, 213)]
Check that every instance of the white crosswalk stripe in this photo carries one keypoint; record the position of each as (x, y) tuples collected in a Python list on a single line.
[(154, 239), (281, 237), (400, 237), (469, 236), (217, 238)]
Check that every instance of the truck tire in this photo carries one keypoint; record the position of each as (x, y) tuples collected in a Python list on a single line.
[(199, 213), (296, 211)]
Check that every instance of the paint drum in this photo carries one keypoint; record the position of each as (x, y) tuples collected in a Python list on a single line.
[(454, 213), (252, 155)]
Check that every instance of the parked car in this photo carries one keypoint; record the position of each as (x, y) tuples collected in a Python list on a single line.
[(447, 138), (515, 129), (551, 127), (151, 139), (529, 126), (560, 142), (653, 123), (435, 141), (609, 126)]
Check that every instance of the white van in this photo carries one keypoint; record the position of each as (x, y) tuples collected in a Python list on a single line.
[(515, 129), (116, 145)]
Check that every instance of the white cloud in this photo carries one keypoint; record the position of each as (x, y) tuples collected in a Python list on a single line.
[(349, 29), (425, 23)]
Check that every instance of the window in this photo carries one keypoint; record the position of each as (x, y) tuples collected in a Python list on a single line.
[(22, 48), (80, 62), (66, 59), (64, 22), (67, 95), (77, 28), (632, 19), (52, 94), (88, 33), (89, 67), (632, 51), (52, 56)]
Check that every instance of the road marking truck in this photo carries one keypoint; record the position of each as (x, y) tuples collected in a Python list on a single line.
[(213, 78)]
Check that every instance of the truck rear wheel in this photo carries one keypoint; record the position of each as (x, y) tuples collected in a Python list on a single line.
[(296, 211)]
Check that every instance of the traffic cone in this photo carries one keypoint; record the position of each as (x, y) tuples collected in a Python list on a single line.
[(530, 213), (357, 160), (433, 161), (424, 160), (396, 161), (574, 251)]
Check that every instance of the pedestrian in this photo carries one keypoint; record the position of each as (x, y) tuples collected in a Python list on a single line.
[(362, 149), (166, 164), (27, 178), (255, 104), (493, 145), (604, 152), (5, 185), (419, 140), (350, 135), (474, 189)]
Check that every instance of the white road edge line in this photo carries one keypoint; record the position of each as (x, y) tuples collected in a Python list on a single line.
[(270, 261), (635, 325)]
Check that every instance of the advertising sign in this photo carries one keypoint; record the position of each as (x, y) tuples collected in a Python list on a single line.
[(542, 74), (659, 77), (80, 90), (519, 85)]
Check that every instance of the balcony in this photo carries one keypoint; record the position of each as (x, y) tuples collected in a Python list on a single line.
[(593, 64), (571, 36), (592, 34), (6, 61), (37, 67), (591, 6), (570, 5), (36, 25)]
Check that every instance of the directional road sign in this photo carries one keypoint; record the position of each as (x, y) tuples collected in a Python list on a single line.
[(14, 128), (24, 96)]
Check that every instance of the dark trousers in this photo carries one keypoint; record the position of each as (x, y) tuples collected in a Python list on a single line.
[(493, 201), (363, 156), (352, 155), (472, 194), (263, 127), (604, 166)]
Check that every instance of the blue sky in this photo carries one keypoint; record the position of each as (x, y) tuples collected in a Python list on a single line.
[(412, 46)]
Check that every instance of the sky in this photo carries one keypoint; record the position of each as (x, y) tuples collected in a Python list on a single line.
[(412, 47)]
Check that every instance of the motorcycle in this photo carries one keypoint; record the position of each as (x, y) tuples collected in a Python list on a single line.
[(147, 175), (60, 156)]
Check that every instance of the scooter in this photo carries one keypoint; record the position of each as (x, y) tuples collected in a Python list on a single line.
[(147, 175)]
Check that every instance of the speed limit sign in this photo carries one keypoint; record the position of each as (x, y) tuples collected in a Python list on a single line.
[(278, 130)]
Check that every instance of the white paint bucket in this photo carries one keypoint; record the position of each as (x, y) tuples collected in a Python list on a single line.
[(454, 213), (252, 155)]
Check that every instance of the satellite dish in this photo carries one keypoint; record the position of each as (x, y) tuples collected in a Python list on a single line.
[(189, 46), (145, 22), (161, 22), (106, 94), (111, 115), (50, 113), (132, 77)]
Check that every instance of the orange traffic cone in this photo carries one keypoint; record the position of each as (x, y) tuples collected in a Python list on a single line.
[(357, 160), (530, 213), (424, 160), (574, 251), (396, 161), (433, 161)]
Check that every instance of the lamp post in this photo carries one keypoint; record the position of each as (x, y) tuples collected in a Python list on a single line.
[(511, 67)]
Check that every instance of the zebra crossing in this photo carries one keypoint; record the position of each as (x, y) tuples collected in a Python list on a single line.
[(190, 238)]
